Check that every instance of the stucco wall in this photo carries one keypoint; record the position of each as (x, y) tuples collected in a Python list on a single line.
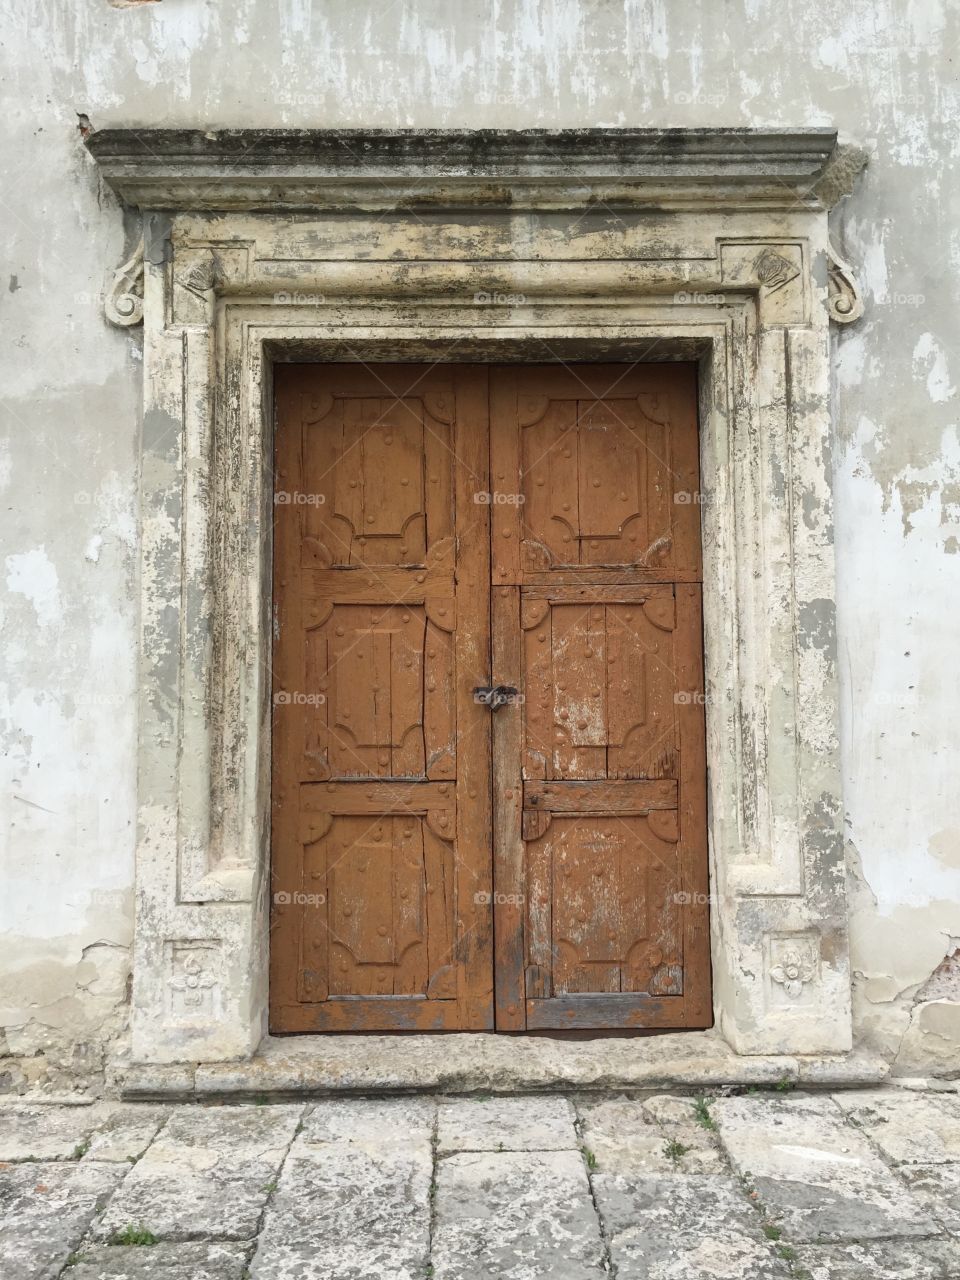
[(879, 72)]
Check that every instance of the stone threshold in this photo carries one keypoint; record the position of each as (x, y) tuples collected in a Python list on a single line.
[(318, 1066)]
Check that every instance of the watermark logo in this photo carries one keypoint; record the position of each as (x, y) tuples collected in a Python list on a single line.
[(699, 99), (499, 499), (293, 698), (284, 98), (503, 698), (684, 899), (297, 899), (285, 498), (889, 698), (483, 899), (687, 498), (83, 498), (691, 698), (907, 299), (685, 298), (482, 298), (100, 699), (109, 899), (295, 298)]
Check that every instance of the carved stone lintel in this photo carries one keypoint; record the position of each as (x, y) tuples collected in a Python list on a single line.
[(843, 299), (124, 302), (286, 169)]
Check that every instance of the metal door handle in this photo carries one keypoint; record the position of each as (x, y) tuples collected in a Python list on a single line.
[(494, 696)]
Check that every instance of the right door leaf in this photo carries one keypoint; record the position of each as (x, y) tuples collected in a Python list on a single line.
[(601, 812)]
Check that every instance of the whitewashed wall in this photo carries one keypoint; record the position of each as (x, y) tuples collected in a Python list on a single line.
[(879, 70)]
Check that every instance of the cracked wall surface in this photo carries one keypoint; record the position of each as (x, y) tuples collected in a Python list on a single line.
[(879, 72)]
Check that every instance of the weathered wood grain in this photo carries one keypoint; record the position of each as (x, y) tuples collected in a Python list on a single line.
[(440, 865), (381, 908), (598, 538)]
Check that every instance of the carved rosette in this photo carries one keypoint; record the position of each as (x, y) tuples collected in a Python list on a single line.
[(793, 966), (192, 979), (124, 301)]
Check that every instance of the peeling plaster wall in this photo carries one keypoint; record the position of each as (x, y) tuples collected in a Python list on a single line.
[(882, 71)]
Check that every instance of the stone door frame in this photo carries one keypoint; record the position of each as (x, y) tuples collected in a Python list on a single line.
[(603, 244)]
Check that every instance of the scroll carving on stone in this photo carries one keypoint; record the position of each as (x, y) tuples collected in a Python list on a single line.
[(124, 301), (844, 301)]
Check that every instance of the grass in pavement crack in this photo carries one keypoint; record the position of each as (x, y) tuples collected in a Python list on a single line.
[(701, 1110), (135, 1235)]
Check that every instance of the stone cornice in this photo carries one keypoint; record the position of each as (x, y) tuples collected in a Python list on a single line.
[(291, 169)]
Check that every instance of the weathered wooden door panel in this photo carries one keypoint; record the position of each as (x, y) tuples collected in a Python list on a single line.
[(393, 909), (606, 476), (381, 770), (599, 819)]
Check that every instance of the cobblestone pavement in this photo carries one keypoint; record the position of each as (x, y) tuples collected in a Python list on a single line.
[(758, 1184)]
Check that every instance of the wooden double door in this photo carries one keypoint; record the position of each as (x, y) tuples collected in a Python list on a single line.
[(489, 803)]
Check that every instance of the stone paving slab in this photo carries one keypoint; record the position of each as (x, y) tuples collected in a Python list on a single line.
[(373, 1123), (696, 1228), (353, 1200), (127, 1131), (907, 1127), (881, 1260), (45, 1208), (937, 1187), (816, 1175), (506, 1124), (667, 1108), (240, 1140), (46, 1133), (517, 1215), (160, 1262), (207, 1176), (401, 1187), (349, 1217), (179, 1204), (103, 1131), (623, 1137)]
